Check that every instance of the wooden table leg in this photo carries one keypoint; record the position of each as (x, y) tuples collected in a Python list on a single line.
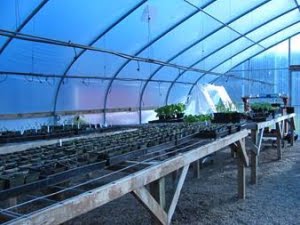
[(254, 167), (278, 141)]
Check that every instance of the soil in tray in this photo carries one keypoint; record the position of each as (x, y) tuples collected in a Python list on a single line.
[(213, 132), (230, 117)]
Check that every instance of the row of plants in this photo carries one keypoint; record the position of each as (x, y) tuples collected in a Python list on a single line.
[(50, 132), (37, 163), (197, 118), (172, 111)]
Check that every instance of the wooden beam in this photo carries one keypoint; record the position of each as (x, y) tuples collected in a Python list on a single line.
[(242, 161), (151, 205), (278, 141), (254, 167), (196, 169), (177, 192), (243, 153), (78, 205), (13, 116)]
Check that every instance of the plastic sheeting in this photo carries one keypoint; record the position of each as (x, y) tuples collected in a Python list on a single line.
[(211, 35)]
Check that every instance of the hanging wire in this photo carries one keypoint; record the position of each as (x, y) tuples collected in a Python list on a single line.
[(28, 80), (138, 66), (48, 82), (17, 13), (86, 83), (4, 79)]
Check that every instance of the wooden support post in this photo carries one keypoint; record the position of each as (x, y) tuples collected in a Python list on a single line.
[(157, 190), (254, 167), (174, 176), (241, 179), (151, 205), (292, 129), (278, 141), (196, 168), (242, 162), (177, 193)]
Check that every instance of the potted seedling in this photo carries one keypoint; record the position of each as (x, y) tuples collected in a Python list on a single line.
[(179, 110)]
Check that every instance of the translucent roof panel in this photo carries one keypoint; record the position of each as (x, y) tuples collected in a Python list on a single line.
[(209, 35), (80, 94), (15, 14), (225, 10), (274, 25), (261, 14), (34, 57), (293, 30), (116, 99), (155, 94), (179, 93), (23, 95)]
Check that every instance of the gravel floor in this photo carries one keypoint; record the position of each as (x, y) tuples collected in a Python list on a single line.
[(212, 199)]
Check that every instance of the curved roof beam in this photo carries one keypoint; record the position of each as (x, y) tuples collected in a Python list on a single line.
[(256, 54), (144, 48), (90, 44), (249, 56), (22, 25), (218, 49), (190, 47)]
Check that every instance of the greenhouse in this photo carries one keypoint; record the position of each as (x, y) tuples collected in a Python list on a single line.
[(149, 112)]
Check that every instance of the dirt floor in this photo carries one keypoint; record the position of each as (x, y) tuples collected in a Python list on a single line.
[(212, 199)]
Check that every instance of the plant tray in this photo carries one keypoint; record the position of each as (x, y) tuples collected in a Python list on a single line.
[(234, 117), (218, 133), (167, 121)]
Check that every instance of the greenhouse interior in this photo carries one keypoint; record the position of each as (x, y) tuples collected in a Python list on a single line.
[(149, 112)]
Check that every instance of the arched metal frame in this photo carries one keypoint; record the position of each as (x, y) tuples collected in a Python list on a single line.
[(256, 54), (221, 47), (102, 34), (290, 25), (186, 49), (144, 48), (23, 24), (41, 5)]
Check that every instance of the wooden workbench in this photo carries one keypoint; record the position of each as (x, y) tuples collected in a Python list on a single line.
[(135, 183), (283, 124)]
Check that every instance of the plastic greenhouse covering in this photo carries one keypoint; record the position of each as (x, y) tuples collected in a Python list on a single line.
[(136, 55)]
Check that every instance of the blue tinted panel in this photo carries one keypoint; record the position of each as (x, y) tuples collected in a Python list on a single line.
[(13, 13), (207, 46), (225, 53), (19, 95), (275, 25), (225, 10), (155, 94), (229, 64), (262, 14), (189, 76), (281, 35), (179, 93), (124, 94), (81, 94), (77, 21), (35, 57)]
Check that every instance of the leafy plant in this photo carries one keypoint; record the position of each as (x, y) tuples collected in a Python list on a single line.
[(179, 108), (197, 118), (261, 106), (170, 111)]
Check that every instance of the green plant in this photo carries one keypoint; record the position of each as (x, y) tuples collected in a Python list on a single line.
[(170, 111), (197, 118), (261, 106), (179, 108)]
